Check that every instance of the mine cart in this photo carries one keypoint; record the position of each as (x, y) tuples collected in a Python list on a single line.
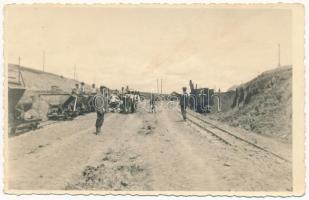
[(70, 107), (90, 103), (17, 118), (85, 104), (63, 111)]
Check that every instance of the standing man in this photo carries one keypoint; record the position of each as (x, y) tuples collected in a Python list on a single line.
[(75, 90), (93, 93), (101, 103), (94, 90), (133, 102), (152, 103), (82, 88), (75, 93), (184, 103)]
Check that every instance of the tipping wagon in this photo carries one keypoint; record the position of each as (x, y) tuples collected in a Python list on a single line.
[(63, 110), (18, 120), (70, 107)]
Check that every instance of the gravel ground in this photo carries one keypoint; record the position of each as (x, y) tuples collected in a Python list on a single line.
[(140, 151)]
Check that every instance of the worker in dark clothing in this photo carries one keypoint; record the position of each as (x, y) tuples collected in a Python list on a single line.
[(152, 104), (101, 103), (184, 103), (92, 94)]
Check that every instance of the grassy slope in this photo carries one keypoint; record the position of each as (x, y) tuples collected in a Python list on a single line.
[(266, 107), (38, 80)]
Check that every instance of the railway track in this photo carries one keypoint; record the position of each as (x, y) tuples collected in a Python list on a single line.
[(51, 122), (47, 123), (226, 136)]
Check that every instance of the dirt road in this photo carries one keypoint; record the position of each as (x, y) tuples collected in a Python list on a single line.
[(140, 151)]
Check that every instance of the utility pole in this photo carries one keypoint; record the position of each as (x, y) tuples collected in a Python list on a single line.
[(279, 55), (43, 61), (157, 86), (19, 73), (74, 71), (161, 86)]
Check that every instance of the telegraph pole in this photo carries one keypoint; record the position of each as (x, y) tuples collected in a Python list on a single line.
[(19, 69), (74, 71), (161, 86), (279, 55), (157, 86), (43, 61)]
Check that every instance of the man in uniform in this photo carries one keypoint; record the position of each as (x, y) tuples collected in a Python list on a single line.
[(82, 90), (184, 103), (93, 93), (101, 103), (94, 90), (152, 103), (132, 99)]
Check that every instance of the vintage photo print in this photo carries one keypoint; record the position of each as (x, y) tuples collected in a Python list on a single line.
[(179, 99)]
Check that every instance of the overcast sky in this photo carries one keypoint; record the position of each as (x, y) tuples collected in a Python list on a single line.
[(136, 46)]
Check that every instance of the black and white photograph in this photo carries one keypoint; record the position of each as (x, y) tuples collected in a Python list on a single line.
[(154, 99)]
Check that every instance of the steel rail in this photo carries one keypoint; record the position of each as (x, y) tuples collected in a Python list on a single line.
[(233, 135)]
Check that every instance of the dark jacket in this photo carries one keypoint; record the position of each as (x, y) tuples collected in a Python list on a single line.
[(184, 100), (101, 103)]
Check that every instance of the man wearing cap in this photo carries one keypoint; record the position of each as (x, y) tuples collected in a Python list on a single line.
[(75, 90), (101, 105), (184, 103)]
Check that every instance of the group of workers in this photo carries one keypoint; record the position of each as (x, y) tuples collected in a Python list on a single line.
[(99, 101), (79, 89), (102, 98)]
